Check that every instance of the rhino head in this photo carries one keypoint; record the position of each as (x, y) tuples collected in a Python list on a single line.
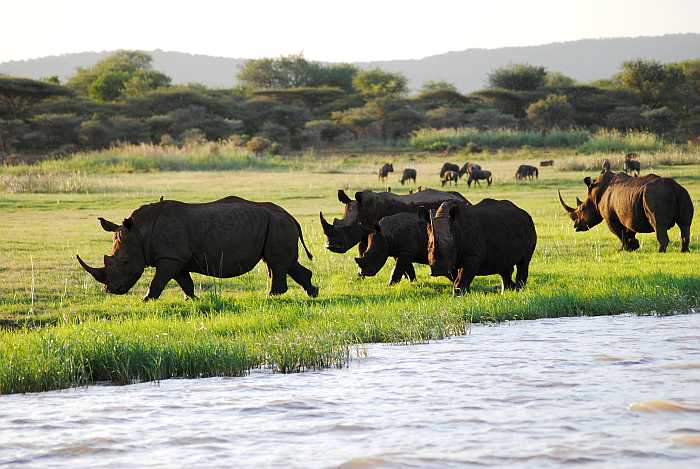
[(586, 215), (123, 268), (442, 246), (344, 233), (376, 254)]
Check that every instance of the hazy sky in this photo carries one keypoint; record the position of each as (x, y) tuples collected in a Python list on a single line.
[(356, 30)]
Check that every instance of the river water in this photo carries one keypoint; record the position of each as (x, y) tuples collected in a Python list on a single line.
[(619, 391)]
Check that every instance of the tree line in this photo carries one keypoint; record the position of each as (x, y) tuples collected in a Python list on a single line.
[(297, 103)]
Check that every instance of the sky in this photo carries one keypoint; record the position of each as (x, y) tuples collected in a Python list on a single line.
[(327, 30)]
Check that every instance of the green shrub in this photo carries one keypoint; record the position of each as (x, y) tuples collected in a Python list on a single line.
[(258, 145)]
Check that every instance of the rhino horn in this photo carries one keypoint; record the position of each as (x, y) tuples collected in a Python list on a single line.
[(563, 204), (578, 201), (99, 274), (327, 227)]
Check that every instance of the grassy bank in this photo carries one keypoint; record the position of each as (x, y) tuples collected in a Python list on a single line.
[(603, 141), (58, 329)]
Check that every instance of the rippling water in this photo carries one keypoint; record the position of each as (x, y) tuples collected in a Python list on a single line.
[(622, 391)]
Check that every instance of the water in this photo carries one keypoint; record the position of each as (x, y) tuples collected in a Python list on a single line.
[(620, 391)]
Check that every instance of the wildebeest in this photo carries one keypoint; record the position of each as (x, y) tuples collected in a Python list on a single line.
[(479, 174), (525, 171), (468, 167), (448, 167), (547, 163), (491, 237), (363, 212), (223, 239), (631, 205), (408, 174), (449, 177), (402, 236), (606, 165), (631, 165), (385, 170)]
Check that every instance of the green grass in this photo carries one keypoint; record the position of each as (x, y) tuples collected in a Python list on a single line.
[(58, 329), (439, 139)]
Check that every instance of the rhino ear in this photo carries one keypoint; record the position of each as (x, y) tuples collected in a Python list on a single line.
[(587, 181), (108, 225), (343, 197), (423, 214), (128, 223), (358, 197)]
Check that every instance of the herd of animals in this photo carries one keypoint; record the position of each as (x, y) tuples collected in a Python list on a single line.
[(442, 229)]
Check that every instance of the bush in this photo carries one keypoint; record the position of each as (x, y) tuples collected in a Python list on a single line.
[(485, 119), (550, 112), (192, 137), (258, 145)]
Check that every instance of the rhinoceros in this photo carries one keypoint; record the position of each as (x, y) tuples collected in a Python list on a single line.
[(631, 205), (402, 236), (223, 239), (491, 237), (362, 213)]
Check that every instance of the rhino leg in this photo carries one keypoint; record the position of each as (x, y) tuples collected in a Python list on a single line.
[(685, 237), (186, 284), (410, 272), (662, 238), (507, 280), (629, 242), (166, 270), (463, 281), (302, 276), (523, 272), (278, 280)]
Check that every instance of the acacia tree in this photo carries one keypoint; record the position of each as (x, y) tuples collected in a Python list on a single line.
[(376, 83), (652, 81), (18, 94), (518, 77), (552, 111)]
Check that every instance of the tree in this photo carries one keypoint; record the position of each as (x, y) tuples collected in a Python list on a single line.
[(122, 72), (518, 77), (432, 85), (552, 111), (652, 81), (376, 83), (558, 80), (18, 94), (290, 71)]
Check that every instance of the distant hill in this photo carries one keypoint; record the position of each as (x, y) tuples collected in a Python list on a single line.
[(583, 60)]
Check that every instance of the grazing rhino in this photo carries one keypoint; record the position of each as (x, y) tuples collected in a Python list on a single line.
[(402, 236), (408, 175), (468, 167), (491, 237), (223, 239), (448, 167), (631, 205), (525, 171), (385, 170), (476, 175), (547, 163), (362, 213), (450, 177), (631, 164)]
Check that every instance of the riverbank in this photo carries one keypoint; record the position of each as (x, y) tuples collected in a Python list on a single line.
[(58, 329)]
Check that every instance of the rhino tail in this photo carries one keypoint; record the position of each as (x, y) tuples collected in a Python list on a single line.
[(301, 237)]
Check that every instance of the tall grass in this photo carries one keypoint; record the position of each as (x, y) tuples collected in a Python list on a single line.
[(611, 141), (670, 156), (439, 139), (48, 182)]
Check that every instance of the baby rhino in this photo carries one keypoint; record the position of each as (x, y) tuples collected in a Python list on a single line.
[(402, 236)]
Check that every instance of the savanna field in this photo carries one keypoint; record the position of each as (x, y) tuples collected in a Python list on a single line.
[(59, 329)]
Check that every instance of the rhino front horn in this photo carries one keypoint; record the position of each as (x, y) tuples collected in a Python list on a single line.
[(326, 226), (98, 274), (563, 204)]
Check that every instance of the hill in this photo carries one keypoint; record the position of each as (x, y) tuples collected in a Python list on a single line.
[(583, 60)]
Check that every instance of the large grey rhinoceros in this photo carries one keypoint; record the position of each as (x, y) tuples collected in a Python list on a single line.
[(224, 238)]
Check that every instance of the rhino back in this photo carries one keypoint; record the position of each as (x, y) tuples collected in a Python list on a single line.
[(504, 232), (406, 235)]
